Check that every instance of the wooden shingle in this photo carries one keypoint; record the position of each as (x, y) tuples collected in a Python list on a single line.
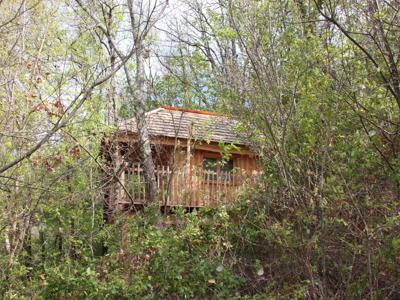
[(184, 124)]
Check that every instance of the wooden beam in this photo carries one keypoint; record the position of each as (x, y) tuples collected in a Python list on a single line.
[(199, 145)]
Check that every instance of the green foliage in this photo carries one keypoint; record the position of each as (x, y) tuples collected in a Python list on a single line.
[(180, 256), (226, 150)]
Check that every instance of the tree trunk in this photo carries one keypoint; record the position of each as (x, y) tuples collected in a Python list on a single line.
[(138, 105)]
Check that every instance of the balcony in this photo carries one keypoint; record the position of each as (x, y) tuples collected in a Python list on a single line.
[(187, 187)]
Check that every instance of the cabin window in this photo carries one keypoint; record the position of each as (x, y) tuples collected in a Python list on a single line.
[(226, 169), (210, 164), (227, 166), (216, 168)]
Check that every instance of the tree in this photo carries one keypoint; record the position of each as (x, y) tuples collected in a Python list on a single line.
[(142, 16)]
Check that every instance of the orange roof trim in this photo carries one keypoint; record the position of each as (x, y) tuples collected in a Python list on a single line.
[(200, 112)]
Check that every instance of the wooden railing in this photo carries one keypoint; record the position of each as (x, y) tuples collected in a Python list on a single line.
[(187, 187)]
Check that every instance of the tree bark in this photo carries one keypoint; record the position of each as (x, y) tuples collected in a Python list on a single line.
[(138, 104)]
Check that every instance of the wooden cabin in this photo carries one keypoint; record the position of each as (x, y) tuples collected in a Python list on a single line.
[(200, 159)]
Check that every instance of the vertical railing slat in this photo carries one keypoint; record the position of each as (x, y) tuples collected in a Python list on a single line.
[(162, 185), (144, 187), (139, 185), (132, 183), (224, 187), (198, 185), (168, 186), (214, 187)]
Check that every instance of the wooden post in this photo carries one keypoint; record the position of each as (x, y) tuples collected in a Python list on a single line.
[(200, 192), (121, 176), (132, 182), (163, 199), (168, 187), (139, 183), (188, 179), (217, 188)]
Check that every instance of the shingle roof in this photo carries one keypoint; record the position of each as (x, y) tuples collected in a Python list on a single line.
[(177, 122)]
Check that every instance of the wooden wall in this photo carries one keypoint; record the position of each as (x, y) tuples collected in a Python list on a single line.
[(189, 187), (246, 163), (244, 159)]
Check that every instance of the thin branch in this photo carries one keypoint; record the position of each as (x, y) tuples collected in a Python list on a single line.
[(63, 120)]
